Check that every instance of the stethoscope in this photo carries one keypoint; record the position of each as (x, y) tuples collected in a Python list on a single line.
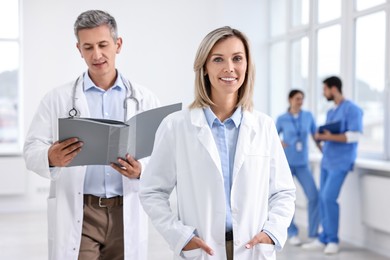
[(74, 112)]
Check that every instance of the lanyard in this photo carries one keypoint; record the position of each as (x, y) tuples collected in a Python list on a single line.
[(297, 124)]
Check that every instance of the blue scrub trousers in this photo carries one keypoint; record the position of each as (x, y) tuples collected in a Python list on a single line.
[(305, 178), (330, 187)]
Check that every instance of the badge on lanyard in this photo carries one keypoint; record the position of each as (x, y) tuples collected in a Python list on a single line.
[(297, 125), (299, 146)]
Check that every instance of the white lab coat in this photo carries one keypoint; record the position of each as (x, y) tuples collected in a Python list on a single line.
[(65, 202), (185, 157)]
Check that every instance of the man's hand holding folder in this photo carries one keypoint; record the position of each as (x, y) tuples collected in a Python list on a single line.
[(104, 141), (333, 127), (330, 132)]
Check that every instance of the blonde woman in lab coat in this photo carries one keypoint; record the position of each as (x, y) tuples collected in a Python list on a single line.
[(235, 193)]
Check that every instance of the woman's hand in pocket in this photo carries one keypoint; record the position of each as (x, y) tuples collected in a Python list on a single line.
[(261, 238), (196, 243)]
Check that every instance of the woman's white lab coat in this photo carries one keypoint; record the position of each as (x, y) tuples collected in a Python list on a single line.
[(65, 202), (185, 156)]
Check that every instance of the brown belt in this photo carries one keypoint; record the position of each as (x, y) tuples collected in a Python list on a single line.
[(103, 202), (229, 236)]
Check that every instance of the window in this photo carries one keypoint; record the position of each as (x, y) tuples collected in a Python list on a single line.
[(278, 84), (348, 38), (300, 12), (300, 64), (10, 130), (328, 64), (328, 10), (370, 78), (364, 4)]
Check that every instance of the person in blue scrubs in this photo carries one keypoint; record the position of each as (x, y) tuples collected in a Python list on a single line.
[(295, 126), (339, 154)]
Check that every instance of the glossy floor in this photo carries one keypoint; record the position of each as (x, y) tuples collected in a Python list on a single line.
[(23, 236)]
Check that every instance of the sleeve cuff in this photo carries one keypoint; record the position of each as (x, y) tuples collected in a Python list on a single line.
[(188, 240), (277, 244)]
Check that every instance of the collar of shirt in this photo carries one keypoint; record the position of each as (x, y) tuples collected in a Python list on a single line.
[(211, 117), (88, 83), (335, 106), (295, 116)]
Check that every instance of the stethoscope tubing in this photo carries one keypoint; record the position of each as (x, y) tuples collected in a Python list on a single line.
[(73, 112)]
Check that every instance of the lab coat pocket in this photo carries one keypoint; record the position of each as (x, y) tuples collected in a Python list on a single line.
[(192, 254), (253, 165), (265, 251)]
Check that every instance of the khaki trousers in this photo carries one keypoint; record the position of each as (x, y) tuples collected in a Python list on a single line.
[(102, 233), (229, 250)]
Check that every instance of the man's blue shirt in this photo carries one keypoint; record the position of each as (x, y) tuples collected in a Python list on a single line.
[(100, 180)]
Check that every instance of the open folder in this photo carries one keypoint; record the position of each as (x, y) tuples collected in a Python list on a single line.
[(106, 140), (333, 127)]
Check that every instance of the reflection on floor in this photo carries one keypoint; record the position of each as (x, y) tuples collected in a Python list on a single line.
[(23, 236), (347, 252)]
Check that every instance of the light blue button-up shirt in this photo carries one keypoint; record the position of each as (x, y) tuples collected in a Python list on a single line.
[(100, 180), (225, 136)]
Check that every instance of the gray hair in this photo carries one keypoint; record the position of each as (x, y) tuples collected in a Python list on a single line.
[(94, 18), (202, 82)]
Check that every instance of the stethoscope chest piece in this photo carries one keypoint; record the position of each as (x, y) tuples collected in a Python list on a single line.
[(73, 112)]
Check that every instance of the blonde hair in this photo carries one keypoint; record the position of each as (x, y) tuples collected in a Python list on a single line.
[(202, 82)]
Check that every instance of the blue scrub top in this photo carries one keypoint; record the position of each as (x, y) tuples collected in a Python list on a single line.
[(341, 156), (294, 130)]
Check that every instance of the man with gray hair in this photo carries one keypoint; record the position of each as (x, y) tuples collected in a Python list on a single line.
[(93, 211)]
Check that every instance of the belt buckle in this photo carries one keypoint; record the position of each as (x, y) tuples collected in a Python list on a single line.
[(229, 236), (100, 203)]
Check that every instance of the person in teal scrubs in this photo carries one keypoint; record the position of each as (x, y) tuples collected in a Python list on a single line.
[(294, 127), (339, 154)]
